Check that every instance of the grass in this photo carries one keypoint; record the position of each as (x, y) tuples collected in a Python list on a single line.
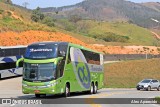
[(157, 99), (127, 74), (22, 12), (137, 35), (10, 24)]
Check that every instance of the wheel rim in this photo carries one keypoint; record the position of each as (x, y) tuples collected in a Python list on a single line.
[(67, 90), (92, 88), (149, 88), (95, 88)]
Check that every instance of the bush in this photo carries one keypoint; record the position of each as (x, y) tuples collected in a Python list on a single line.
[(37, 15), (111, 37), (75, 18), (157, 99), (48, 21), (1, 11), (9, 13), (7, 19), (65, 24)]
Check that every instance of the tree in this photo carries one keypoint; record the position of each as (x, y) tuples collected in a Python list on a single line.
[(75, 18), (48, 21), (37, 15), (8, 1), (25, 4)]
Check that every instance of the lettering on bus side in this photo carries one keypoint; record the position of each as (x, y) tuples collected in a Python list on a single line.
[(95, 68), (81, 68)]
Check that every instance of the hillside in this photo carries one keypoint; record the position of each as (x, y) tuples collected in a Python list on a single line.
[(17, 28), (20, 12), (128, 74), (108, 10), (11, 38), (16, 18), (153, 5), (110, 33)]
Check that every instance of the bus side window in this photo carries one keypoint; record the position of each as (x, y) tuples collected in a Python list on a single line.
[(15, 52), (0, 52), (8, 52), (62, 52)]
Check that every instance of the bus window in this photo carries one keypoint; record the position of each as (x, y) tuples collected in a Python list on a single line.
[(62, 50), (8, 52), (92, 57), (9, 65), (15, 52), (0, 52), (22, 51), (59, 70), (69, 57)]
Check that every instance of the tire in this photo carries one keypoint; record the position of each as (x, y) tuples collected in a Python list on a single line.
[(149, 88), (138, 89), (95, 89), (67, 91), (37, 95), (92, 88), (0, 76), (158, 89)]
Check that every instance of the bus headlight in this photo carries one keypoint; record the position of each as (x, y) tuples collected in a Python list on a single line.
[(52, 84)]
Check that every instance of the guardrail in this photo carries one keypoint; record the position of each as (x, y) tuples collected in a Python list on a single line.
[(119, 57)]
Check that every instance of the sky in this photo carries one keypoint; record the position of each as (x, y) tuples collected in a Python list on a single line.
[(32, 4)]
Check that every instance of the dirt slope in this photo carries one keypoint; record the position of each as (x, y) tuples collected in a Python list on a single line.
[(27, 37)]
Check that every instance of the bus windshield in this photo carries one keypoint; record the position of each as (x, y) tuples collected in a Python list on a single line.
[(41, 51), (39, 72)]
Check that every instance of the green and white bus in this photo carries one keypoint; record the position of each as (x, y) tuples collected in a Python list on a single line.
[(61, 68)]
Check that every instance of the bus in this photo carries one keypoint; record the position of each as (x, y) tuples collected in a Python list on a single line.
[(61, 68), (8, 57)]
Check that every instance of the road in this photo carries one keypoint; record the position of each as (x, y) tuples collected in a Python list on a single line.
[(11, 88)]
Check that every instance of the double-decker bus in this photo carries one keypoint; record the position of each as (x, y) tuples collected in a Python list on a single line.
[(8, 57), (61, 68)]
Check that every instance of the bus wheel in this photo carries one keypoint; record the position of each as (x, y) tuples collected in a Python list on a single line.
[(95, 88), (38, 95), (92, 88), (67, 91)]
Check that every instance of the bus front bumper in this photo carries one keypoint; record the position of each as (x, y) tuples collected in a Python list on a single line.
[(38, 90)]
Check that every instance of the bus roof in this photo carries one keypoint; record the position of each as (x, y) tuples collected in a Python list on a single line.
[(65, 43), (84, 48), (49, 42)]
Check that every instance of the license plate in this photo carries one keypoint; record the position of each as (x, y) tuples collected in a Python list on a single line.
[(36, 91)]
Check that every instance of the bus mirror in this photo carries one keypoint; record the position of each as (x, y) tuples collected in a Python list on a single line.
[(18, 61), (62, 53)]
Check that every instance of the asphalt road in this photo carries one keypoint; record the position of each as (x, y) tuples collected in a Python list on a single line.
[(11, 88)]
